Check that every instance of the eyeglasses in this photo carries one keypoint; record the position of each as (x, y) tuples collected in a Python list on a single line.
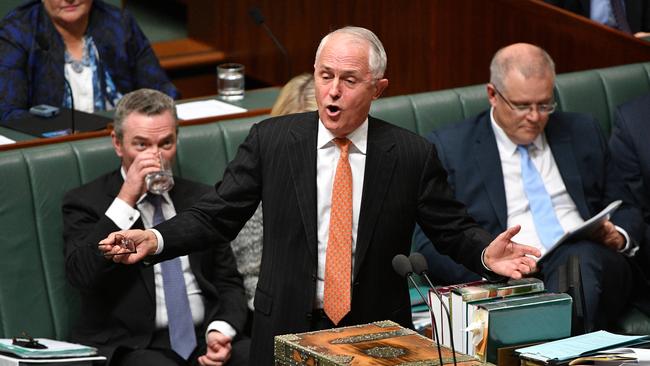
[(27, 341), (546, 108)]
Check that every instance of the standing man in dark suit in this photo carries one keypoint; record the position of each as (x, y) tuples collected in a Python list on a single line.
[(635, 14), (341, 194), (504, 161), (631, 154), (127, 311)]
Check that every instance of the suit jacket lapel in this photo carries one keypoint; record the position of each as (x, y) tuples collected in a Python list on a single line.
[(486, 153), (560, 143), (302, 162), (380, 163)]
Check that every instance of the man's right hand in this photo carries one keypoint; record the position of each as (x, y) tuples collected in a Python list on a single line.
[(145, 242), (134, 185)]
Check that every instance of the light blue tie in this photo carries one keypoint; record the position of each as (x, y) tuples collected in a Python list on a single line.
[(179, 315), (546, 223)]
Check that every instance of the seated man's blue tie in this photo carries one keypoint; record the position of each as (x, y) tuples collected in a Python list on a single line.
[(547, 225), (179, 315)]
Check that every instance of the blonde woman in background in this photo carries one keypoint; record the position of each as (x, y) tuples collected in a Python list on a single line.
[(296, 96)]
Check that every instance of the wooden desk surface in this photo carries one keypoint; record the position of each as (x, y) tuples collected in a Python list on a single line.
[(257, 102)]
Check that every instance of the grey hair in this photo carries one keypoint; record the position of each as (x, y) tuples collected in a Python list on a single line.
[(534, 62), (377, 60), (144, 101)]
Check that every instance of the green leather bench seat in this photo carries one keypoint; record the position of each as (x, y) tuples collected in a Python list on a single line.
[(34, 295)]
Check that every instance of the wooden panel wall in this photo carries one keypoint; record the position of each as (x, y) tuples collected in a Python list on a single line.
[(431, 44)]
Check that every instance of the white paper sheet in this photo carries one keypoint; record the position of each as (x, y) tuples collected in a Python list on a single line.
[(5, 140), (206, 108)]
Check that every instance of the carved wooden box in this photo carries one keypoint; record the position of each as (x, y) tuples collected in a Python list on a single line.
[(378, 343)]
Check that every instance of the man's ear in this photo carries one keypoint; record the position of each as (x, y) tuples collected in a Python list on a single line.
[(381, 85), (491, 94), (117, 144)]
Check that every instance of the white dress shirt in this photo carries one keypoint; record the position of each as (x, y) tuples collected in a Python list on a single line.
[(124, 216), (327, 158), (519, 212)]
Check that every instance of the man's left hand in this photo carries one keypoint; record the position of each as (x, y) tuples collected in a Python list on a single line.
[(507, 258), (218, 350), (608, 235)]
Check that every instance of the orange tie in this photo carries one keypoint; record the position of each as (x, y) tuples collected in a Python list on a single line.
[(338, 260)]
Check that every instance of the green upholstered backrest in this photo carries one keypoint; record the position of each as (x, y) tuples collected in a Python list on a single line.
[(34, 295), (597, 92)]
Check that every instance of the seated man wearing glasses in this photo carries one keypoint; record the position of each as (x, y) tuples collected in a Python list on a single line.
[(520, 163)]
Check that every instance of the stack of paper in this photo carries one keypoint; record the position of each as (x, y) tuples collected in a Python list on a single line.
[(206, 108)]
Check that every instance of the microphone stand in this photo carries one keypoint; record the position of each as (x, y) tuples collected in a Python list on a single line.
[(258, 18), (403, 267), (434, 327), (72, 122), (421, 264)]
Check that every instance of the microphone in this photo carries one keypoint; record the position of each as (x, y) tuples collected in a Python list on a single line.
[(72, 123), (43, 44), (258, 18), (420, 267), (403, 267)]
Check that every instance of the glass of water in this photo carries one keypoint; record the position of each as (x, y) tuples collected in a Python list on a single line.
[(161, 181), (230, 81)]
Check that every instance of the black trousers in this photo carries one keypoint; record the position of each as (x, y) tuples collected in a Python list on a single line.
[(160, 353)]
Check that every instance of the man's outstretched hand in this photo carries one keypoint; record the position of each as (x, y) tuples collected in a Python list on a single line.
[(507, 258), (145, 243)]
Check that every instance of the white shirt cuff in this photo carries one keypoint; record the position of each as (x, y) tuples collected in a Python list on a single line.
[(159, 238), (630, 248), (122, 214), (221, 327), (483, 260)]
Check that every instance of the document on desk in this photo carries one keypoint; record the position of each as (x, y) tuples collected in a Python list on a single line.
[(587, 227), (564, 350), (206, 108), (6, 360), (53, 348), (5, 140)]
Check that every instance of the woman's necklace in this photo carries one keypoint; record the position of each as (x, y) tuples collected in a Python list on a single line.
[(78, 65)]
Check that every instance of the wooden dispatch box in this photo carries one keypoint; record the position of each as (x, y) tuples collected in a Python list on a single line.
[(378, 343)]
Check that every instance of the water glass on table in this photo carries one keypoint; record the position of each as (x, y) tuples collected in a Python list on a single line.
[(230, 81)]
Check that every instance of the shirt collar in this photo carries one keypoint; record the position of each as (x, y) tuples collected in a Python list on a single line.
[(505, 144), (358, 137), (142, 198)]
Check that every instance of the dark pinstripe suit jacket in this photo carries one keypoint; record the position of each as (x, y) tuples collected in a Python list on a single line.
[(404, 183)]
